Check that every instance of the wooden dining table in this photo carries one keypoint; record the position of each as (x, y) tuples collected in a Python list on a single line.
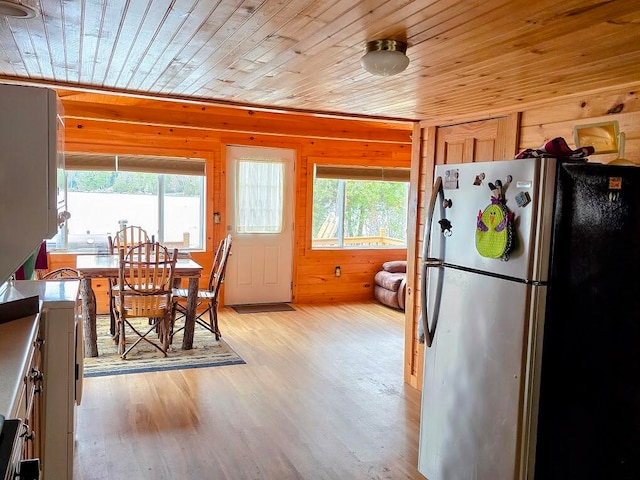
[(107, 266)]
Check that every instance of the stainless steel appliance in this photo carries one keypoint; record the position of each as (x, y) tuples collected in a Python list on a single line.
[(532, 364)]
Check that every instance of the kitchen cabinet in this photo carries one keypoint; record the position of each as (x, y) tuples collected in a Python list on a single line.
[(100, 288), (60, 330), (32, 191), (21, 378)]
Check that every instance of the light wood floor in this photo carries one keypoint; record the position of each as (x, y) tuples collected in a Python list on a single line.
[(321, 397)]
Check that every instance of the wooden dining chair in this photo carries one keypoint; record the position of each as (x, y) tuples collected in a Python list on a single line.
[(60, 274), (207, 303), (67, 273), (145, 279), (123, 240)]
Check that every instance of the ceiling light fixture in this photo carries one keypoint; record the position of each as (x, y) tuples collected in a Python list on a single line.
[(385, 57), (18, 8)]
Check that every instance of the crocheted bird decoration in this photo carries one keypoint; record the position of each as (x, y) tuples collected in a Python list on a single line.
[(494, 232)]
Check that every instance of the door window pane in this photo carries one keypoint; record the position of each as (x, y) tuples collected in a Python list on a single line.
[(259, 196)]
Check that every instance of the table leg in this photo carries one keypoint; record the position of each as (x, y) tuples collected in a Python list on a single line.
[(190, 317), (89, 318)]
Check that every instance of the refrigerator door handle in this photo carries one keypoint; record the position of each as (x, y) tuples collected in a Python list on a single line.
[(429, 262)]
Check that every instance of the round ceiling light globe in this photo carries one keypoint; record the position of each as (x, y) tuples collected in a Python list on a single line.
[(385, 57)]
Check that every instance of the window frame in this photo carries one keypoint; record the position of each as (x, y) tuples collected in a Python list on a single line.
[(159, 165), (339, 170)]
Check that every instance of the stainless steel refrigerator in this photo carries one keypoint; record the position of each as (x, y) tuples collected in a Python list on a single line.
[(531, 316)]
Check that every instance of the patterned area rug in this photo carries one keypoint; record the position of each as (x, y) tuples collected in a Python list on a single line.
[(206, 352)]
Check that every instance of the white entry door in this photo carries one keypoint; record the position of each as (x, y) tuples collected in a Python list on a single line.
[(260, 219)]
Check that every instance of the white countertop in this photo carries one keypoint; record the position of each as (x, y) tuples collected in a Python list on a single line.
[(53, 293), (17, 336)]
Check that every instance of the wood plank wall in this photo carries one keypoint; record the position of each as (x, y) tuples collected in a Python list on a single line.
[(104, 124), (538, 124), (557, 119), (479, 141)]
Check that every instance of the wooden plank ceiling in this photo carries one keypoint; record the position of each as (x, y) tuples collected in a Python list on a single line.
[(469, 58)]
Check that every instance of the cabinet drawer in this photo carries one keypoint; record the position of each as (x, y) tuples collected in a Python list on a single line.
[(28, 402), (33, 393), (101, 289)]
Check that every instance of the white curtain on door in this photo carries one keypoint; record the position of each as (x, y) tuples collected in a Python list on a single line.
[(260, 196)]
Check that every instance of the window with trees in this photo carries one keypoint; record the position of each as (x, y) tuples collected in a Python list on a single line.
[(163, 195), (359, 207)]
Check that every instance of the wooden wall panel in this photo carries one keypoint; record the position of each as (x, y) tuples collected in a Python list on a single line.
[(315, 280), (483, 140), (172, 129), (235, 120), (424, 153), (558, 118)]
